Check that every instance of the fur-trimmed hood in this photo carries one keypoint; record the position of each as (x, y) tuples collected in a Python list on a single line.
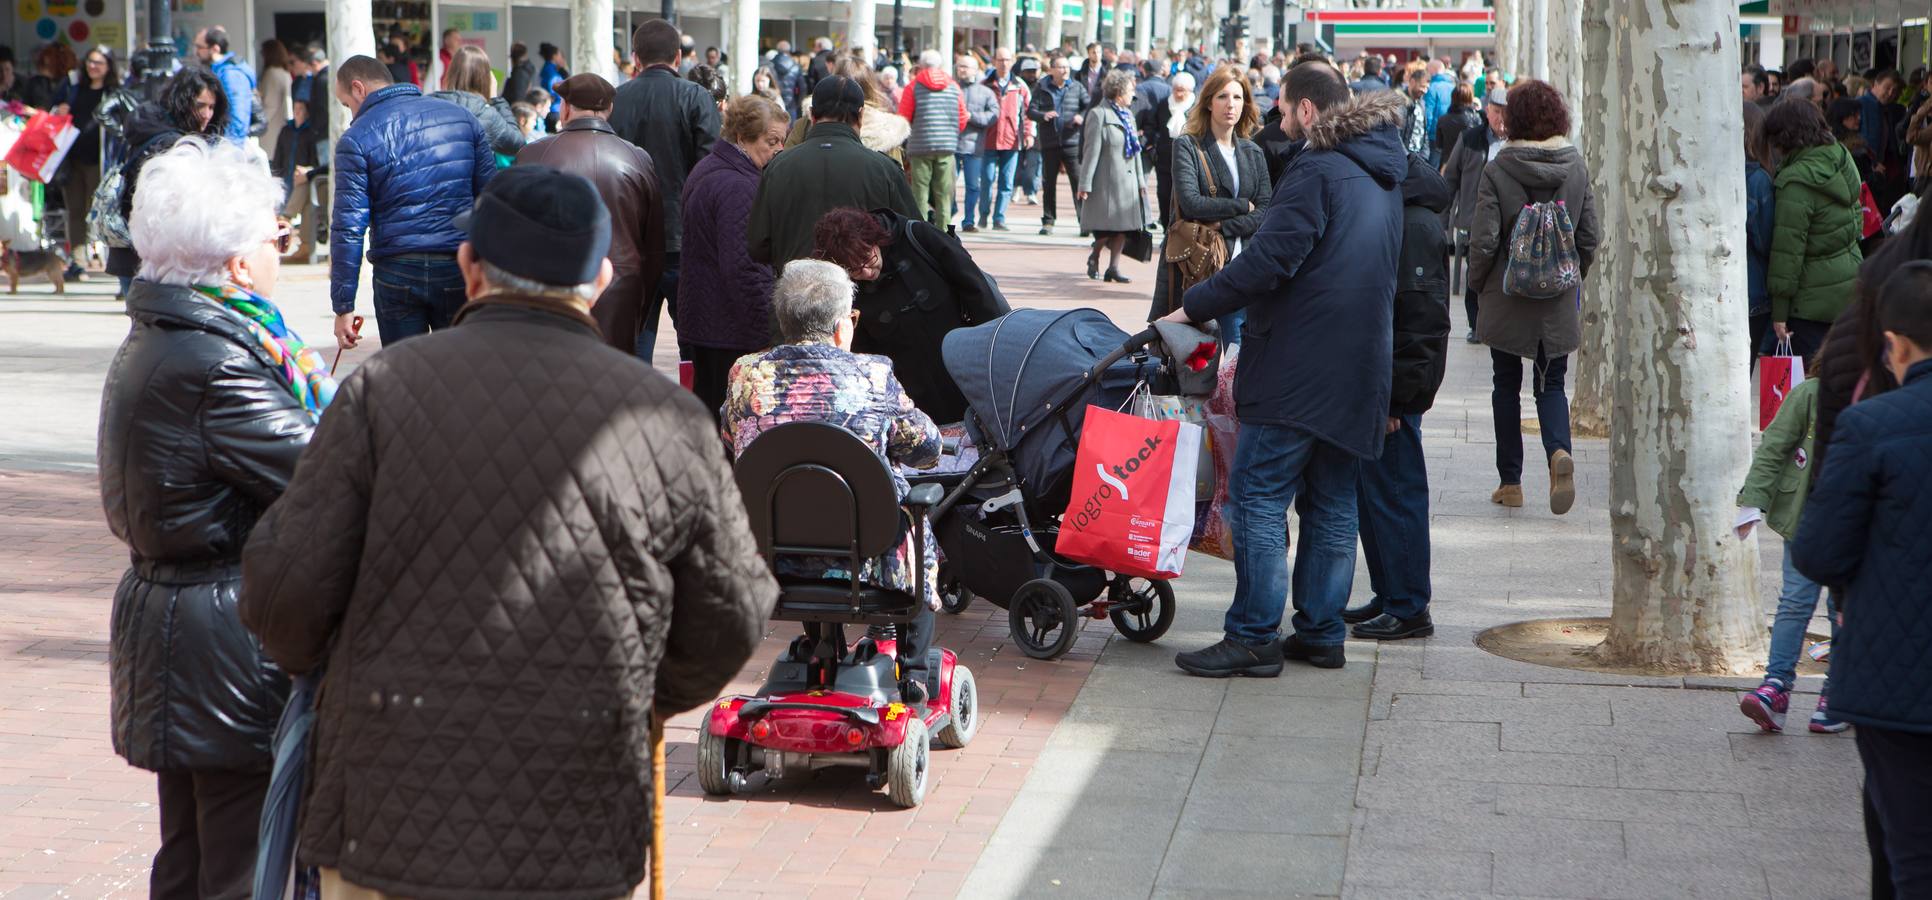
[(1357, 116), (883, 131), (1366, 129)]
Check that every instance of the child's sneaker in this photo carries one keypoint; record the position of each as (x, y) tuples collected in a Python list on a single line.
[(1823, 722), (1766, 705)]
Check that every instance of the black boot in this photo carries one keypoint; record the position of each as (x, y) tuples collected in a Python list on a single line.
[(1386, 627), (1093, 263), (1232, 658), (1321, 656), (1113, 274), (1363, 613)]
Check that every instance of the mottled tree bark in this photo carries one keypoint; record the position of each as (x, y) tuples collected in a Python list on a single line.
[(352, 32), (1089, 22), (592, 46), (1684, 586), (1600, 135), (1505, 13)]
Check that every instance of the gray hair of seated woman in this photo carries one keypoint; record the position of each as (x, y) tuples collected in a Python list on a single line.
[(810, 299)]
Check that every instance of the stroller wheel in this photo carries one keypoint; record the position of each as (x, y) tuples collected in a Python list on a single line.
[(1042, 618), (953, 595), (1143, 608)]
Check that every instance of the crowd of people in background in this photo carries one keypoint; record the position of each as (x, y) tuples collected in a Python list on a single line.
[(805, 238)]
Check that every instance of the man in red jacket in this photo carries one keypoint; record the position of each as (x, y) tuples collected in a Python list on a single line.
[(1007, 136), (936, 107)]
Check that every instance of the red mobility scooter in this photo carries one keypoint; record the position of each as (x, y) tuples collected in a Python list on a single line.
[(816, 490)]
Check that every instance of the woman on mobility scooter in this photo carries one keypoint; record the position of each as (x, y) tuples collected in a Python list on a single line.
[(814, 377)]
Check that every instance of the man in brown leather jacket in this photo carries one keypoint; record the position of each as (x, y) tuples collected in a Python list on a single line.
[(627, 180), (506, 549)]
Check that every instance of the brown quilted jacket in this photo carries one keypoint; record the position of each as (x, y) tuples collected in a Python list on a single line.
[(506, 546)]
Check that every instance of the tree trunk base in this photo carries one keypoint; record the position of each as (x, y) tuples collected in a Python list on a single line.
[(1584, 644), (1588, 425)]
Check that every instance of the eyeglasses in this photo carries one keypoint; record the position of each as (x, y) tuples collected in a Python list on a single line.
[(283, 238)]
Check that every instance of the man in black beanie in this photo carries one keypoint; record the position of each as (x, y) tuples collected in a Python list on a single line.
[(831, 169), (507, 548)]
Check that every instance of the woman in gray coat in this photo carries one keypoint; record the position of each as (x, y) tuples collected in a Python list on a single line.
[(1112, 205), (1219, 177), (470, 85), (1538, 163)]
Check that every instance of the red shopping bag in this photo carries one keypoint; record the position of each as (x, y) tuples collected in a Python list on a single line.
[(1777, 375), (1132, 510), (40, 148), (1873, 220)]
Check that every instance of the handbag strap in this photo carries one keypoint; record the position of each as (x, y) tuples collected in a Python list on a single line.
[(1206, 167)]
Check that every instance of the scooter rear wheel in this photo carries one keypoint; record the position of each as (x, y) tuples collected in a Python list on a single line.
[(715, 752), (964, 716), (907, 766)]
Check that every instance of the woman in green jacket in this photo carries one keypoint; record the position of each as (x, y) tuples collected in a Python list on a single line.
[(1817, 225), (1774, 493)]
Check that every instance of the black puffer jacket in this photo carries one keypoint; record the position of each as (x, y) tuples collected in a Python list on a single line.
[(928, 285), (199, 434), (499, 123), (1421, 293), (148, 131)]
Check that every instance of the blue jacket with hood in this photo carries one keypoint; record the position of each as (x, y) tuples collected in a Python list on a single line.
[(1318, 282)]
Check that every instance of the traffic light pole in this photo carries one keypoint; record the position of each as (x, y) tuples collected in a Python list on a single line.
[(898, 28)]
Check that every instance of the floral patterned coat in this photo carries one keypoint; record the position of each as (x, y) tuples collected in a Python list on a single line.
[(817, 382)]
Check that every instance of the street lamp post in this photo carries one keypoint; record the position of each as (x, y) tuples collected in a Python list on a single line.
[(669, 10), (898, 28), (160, 50), (1020, 28)]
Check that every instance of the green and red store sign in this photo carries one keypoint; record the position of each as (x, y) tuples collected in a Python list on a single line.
[(1427, 23)]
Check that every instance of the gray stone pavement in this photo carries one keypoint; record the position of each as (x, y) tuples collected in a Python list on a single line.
[(1424, 769)]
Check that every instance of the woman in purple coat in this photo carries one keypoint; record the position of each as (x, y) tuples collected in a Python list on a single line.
[(724, 298)]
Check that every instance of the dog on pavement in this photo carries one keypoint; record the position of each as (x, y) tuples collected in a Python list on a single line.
[(38, 261)]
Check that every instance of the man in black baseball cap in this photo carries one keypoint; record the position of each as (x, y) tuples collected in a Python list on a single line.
[(537, 540), (831, 169)]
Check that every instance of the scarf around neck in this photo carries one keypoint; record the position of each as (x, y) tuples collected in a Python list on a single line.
[(1132, 148), (302, 368)]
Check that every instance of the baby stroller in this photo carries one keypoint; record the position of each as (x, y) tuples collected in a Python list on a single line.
[(1028, 378)]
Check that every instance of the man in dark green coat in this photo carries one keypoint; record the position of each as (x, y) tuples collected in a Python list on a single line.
[(831, 169)]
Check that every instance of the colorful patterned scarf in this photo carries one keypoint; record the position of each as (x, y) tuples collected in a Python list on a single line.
[(308, 379), (1127, 122)]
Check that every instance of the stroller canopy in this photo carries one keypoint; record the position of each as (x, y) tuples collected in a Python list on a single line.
[(1018, 371)]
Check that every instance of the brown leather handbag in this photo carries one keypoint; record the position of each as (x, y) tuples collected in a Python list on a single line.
[(1194, 251)]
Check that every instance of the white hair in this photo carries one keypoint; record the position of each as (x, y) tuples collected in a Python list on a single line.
[(810, 298), (931, 59), (199, 205), (1182, 80), (530, 287)]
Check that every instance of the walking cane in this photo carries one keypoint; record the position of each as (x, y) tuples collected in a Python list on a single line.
[(657, 807)]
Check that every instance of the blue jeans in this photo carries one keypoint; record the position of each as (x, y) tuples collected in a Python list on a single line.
[(972, 168), (1796, 603), (667, 292), (1030, 171), (1393, 497), (1506, 401), (1002, 165), (1230, 326), (416, 293), (1272, 464)]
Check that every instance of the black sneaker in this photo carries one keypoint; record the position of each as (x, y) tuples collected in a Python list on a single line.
[(1000, 226), (1471, 337), (969, 229), (1363, 613), (912, 691), (1047, 228), (1321, 656), (1231, 657), (1386, 627)]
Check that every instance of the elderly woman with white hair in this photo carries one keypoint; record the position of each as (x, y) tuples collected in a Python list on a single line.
[(1167, 119), (208, 404), (814, 377)]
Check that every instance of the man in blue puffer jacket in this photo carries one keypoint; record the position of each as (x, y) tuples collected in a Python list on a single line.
[(237, 79), (405, 167)]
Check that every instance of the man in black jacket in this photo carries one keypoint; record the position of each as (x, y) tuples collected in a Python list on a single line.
[(675, 121), (1057, 109), (829, 170), (1392, 494)]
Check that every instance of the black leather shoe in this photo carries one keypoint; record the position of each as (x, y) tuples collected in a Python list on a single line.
[(969, 229), (1386, 627), (1231, 658), (912, 692), (1115, 276), (1093, 264), (1363, 613), (1321, 656)]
